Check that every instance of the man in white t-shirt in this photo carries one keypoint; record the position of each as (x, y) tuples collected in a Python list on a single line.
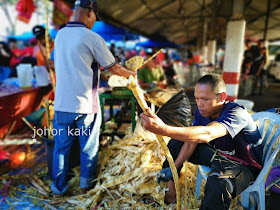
[(78, 54)]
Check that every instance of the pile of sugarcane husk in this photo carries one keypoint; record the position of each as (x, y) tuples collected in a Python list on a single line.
[(127, 174), (126, 179)]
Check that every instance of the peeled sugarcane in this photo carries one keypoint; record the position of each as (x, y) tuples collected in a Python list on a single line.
[(48, 45), (186, 185), (137, 62), (47, 104), (41, 183), (141, 101)]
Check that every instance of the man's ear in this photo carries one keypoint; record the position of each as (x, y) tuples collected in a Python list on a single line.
[(223, 96), (89, 13)]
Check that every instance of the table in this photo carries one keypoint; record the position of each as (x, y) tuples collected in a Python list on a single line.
[(19, 103), (117, 95)]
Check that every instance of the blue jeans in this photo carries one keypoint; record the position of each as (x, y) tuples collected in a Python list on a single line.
[(65, 127)]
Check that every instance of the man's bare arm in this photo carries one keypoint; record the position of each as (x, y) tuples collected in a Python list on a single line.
[(185, 153), (121, 71), (196, 134)]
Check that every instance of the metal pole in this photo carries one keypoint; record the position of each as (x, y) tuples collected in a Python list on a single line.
[(267, 19), (213, 20)]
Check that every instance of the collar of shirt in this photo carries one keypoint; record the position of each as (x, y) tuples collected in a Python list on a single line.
[(75, 24)]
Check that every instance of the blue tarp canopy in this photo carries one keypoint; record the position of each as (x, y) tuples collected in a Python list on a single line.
[(152, 43), (28, 35), (23, 37), (110, 32), (107, 31)]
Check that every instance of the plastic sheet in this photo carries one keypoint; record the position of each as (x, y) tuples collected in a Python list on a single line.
[(176, 111)]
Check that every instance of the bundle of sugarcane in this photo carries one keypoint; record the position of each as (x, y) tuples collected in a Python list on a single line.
[(52, 76)]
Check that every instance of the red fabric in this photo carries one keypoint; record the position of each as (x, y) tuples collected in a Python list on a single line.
[(17, 53), (3, 155), (197, 58), (160, 56), (61, 13), (28, 51), (25, 9), (190, 60)]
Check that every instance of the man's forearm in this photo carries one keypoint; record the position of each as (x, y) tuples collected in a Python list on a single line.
[(121, 71), (185, 153), (196, 134)]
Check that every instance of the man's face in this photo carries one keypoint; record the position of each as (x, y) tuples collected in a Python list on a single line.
[(13, 45), (248, 45), (260, 44), (208, 102), (92, 18), (41, 39)]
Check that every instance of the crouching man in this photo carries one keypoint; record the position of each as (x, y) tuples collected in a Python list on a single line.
[(223, 137)]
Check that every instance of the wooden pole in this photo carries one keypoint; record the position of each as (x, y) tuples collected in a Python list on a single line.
[(48, 44), (9, 130), (267, 19), (29, 125)]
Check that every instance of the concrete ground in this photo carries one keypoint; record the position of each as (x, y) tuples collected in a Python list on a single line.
[(269, 99)]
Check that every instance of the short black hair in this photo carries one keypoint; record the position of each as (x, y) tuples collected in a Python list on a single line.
[(12, 40), (39, 32), (215, 80), (5, 46)]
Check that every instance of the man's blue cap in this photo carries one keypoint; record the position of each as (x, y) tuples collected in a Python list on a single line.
[(90, 4)]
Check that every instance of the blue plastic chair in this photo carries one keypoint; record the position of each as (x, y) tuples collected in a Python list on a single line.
[(269, 127)]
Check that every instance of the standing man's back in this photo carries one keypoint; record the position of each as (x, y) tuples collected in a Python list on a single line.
[(79, 53), (78, 69)]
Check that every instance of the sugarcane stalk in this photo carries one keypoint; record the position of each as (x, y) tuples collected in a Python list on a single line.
[(49, 206), (48, 119), (154, 55), (138, 94), (48, 45), (29, 125), (141, 101), (37, 187), (9, 130), (41, 183), (186, 186)]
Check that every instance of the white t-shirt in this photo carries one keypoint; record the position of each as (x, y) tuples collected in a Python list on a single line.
[(78, 53)]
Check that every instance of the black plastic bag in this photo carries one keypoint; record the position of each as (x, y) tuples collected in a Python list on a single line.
[(176, 111)]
